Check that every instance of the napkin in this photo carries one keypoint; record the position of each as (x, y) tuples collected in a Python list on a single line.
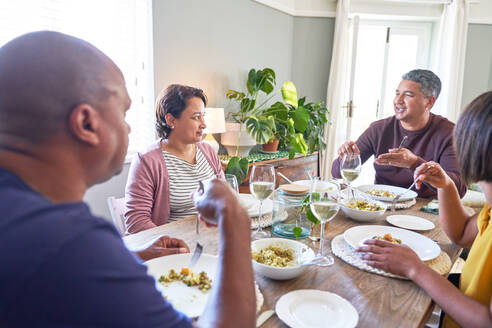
[(431, 207)]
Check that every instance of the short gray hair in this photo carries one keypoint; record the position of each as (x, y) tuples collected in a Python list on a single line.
[(430, 84)]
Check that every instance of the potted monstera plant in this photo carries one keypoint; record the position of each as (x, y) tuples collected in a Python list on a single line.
[(259, 119)]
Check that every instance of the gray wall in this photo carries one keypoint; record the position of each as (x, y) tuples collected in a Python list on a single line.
[(478, 62), (212, 44), (311, 56)]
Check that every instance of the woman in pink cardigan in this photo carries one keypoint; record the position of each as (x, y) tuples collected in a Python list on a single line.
[(162, 178)]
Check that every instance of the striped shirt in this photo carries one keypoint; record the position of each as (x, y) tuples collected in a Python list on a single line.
[(183, 180)]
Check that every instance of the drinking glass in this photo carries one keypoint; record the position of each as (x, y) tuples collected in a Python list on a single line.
[(324, 207), (232, 181), (261, 185), (350, 169)]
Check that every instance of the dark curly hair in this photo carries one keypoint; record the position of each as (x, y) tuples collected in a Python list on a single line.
[(473, 140), (173, 100)]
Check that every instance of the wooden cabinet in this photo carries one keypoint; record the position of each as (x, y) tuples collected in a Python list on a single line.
[(294, 169)]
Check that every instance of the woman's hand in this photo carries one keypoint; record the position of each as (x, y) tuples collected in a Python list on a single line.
[(393, 258), (164, 246), (432, 173)]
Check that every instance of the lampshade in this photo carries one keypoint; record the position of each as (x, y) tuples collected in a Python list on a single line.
[(215, 121)]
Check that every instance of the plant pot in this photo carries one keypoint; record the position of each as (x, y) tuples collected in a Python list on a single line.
[(231, 140), (271, 147)]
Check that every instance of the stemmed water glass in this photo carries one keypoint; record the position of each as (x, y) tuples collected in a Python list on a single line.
[(324, 207), (350, 169), (261, 185)]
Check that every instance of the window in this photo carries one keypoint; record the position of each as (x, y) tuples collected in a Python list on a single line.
[(120, 28)]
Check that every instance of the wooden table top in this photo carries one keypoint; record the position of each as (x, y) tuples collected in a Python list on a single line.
[(380, 301)]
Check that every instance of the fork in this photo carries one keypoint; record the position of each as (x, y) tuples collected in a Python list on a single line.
[(393, 202), (199, 247)]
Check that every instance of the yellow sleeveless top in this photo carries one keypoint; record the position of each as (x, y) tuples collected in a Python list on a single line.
[(476, 277)]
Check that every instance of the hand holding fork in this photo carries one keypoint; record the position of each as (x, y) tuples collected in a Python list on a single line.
[(425, 168)]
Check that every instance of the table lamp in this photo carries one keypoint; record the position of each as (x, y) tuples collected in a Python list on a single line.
[(215, 121)]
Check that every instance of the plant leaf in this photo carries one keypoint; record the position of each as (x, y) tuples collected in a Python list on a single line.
[(237, 167), (236, 95), (311, 216), (297, 231), (279, 111), (301, 119), (289, 93), (251, 82), (261, 128)]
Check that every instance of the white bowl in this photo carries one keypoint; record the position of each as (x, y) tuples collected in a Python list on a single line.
[(364, 216), (302, 253)]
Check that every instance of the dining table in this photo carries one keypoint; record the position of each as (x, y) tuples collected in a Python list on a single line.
[(379, 300)]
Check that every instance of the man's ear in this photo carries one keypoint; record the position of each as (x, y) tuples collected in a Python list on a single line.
[(431, 100), (84, 122)]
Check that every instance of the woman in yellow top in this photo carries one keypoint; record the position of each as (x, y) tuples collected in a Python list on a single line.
[(470, 305)]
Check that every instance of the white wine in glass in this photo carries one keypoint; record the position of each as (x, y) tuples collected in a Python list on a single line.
[(261, 186), (350, 174), (350, 169), (324, 208)]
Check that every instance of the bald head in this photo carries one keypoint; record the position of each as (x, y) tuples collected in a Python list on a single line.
[(43, 77)]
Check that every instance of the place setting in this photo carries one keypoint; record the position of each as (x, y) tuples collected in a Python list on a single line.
[(344, 245)]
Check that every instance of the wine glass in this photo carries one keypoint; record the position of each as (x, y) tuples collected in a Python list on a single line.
[(232, 181), (261, 185), (324, 207), (350, 169)]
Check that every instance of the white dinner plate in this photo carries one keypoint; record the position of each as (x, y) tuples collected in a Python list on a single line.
[(252, 204), (425, 248), (189, 300), (410, 194), (410, 222), (311, 308)]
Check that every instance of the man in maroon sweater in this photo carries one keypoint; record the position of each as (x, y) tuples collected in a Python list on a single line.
[(429, 137)]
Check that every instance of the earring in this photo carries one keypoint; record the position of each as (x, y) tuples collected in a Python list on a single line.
[(172, 127)]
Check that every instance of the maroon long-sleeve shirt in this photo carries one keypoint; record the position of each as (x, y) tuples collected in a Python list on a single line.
[(434, 142)]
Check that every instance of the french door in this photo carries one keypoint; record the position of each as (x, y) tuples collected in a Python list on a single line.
[(381, 52)]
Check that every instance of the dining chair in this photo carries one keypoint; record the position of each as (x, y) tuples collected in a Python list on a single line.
[(117, 210)]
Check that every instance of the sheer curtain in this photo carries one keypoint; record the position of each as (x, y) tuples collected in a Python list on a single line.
[(449, 62), (336, 87), (120, 28)]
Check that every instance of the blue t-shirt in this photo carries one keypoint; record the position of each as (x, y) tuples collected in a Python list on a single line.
[(60, 266)]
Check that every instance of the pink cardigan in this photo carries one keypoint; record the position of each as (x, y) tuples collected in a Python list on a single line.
[(147, 187)]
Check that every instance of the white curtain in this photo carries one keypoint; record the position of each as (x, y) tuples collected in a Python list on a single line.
[(449, 62), (335, 133)]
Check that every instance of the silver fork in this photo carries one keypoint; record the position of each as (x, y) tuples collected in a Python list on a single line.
[(393, 202), (199, 247)]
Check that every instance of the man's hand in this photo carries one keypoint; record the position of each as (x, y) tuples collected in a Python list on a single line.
[(212, 199), (162, 247), (393, 258), (349, 147), (401, 157)]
